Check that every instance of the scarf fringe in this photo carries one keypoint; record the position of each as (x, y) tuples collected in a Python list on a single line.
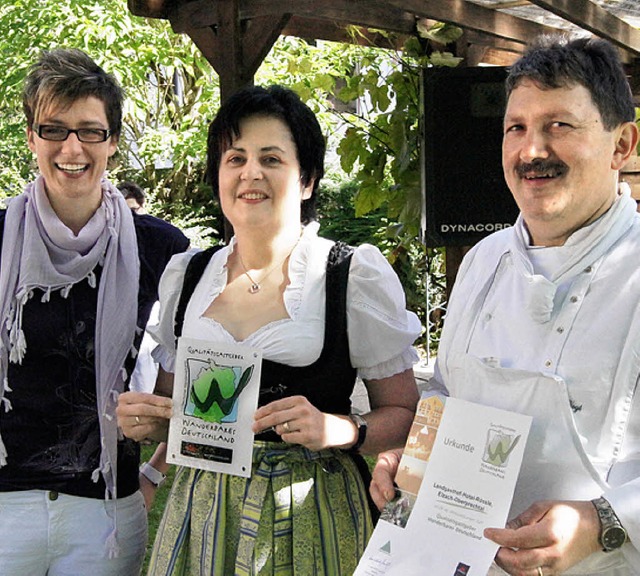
[(3, 454), (6, 403), (104, 470), (46, 296), (112, 546), (19, 347), (17, 339)]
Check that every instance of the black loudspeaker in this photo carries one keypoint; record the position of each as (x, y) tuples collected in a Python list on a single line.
[(465, 195)]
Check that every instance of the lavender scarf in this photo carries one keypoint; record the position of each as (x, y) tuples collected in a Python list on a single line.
[(39, 251)]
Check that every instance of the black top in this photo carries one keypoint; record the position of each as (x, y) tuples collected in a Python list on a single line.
[(52, 433)]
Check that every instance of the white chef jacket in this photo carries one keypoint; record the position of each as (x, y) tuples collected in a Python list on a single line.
[(570, 314)]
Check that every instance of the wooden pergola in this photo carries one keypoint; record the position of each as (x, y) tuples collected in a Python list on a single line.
[(236, 35)]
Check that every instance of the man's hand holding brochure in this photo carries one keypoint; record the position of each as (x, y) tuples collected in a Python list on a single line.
[(456, 478)]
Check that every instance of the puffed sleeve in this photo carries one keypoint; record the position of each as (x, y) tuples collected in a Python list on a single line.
[(381, 330), (169, 293)]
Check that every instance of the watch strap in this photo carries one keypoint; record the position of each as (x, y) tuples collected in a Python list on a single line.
[(361, 425), (608, 520), (154, 476)]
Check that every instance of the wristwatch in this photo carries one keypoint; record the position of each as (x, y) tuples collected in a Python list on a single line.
[(361, 425), (154, 476), (612, 533)]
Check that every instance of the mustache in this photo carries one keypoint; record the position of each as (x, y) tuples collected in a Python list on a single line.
[(540, 167)]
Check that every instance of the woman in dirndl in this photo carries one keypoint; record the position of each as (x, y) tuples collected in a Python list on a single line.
[(321, 313)]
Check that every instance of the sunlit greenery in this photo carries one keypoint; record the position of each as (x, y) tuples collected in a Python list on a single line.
[(367, 100)]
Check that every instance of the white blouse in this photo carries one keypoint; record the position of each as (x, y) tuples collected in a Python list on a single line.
[(381, 331)]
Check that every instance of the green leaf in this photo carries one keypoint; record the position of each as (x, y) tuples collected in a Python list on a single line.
[(445, 59), (440, 32), (369, 198), (349, 149)]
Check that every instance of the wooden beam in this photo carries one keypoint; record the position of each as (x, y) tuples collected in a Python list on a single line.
[(229, 33), (220, 43), (311, 29), (259, 35), (329, 19), (198, 14), (207, 42), (499, 44), (509, 4), (475, 17), (499, 57), (149, 8), (263, 21), (365, 13), (372, 14), (597, 20), (477, 54), (235, 48)]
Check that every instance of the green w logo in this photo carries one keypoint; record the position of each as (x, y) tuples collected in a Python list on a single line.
[(499, 447)]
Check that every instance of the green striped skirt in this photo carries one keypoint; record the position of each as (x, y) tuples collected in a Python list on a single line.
[(301, 513)]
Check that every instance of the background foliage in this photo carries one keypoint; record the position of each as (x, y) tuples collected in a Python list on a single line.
[(367, 100), (164, 128)]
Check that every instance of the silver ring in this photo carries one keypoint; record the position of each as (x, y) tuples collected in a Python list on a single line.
[(286, 428), (540, 571), (137, 420)]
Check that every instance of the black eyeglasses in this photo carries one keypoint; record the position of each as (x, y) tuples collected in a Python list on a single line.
[(59, 134)]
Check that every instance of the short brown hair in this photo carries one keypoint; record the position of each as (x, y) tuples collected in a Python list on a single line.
[(62, 76)]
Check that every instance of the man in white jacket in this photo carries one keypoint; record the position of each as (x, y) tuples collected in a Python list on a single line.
[(544, 318)]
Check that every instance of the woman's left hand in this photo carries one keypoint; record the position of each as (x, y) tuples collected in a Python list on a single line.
[(144, 416), (297, 421)]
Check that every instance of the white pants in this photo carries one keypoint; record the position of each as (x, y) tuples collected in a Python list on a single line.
[(46, 533)]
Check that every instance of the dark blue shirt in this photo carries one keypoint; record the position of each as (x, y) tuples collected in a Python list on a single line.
[(52, 433)]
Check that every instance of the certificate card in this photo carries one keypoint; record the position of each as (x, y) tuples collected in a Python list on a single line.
[(215, 395), (456, 477)]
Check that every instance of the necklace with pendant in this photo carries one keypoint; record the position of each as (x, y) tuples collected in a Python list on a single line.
[(254, 287)]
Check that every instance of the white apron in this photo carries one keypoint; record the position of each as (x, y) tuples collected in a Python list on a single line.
[(555, 466)]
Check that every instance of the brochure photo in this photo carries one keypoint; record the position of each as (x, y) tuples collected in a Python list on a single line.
[(215, 395), (456, 477)]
